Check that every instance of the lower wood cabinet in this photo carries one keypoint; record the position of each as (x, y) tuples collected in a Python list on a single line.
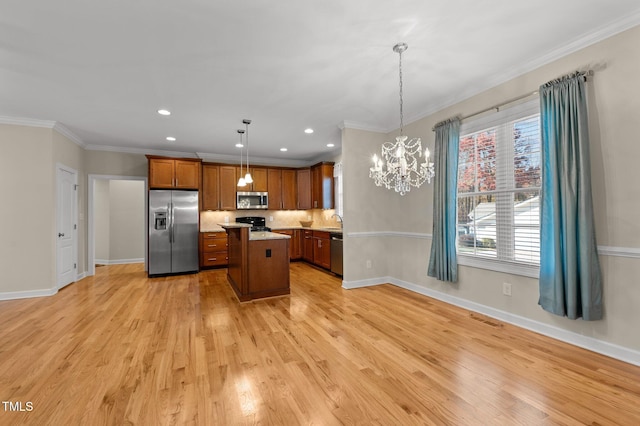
[(307, 245), (213, 249), (295, 244), (322, 249)]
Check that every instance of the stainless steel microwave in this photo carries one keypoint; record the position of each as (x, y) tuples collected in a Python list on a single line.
[(252, 200)]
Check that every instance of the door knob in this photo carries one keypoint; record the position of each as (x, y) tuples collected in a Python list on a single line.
[(60, 234)]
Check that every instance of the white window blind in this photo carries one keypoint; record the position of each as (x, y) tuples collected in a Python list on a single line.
[(337, 182), (499, 180)]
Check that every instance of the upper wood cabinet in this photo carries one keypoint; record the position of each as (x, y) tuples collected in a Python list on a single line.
[(218, 187), (274, 187), (170, 173), (210, 187), (322, 186), (304, 189), (282, 188), (228, 186), (289, 190), (259, 175)]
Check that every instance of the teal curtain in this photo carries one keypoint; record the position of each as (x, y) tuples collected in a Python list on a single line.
[(443, 263), (570, 278)]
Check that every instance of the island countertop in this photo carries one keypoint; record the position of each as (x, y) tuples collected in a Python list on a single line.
[(255, 235), (265, 235)]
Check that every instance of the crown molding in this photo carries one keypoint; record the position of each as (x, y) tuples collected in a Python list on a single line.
[(599, 34), (49, 124), (263, 161), (142, 151), (23, 121), (63, 130), (347, 124)]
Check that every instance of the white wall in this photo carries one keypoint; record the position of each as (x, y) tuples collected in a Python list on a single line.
[(127, 234), (614, 108), (119, 221), (27, 258)]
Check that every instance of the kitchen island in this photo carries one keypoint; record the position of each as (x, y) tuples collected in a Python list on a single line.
[(258, 262)]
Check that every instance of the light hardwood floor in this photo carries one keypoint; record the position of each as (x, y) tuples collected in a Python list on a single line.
[(119, 348)]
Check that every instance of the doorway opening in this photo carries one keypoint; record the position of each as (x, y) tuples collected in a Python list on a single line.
[(117, 220)]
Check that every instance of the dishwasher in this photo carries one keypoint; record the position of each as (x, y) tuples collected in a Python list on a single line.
[(336, 254)]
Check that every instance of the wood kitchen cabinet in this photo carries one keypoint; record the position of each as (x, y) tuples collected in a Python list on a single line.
[(303, 177), (259, 176), (172, 173), (218, 187), (322, 249), (213, 249), (322, 186), (289, 189), (307, 245), (228, 184), (295, 244), (274, 187), (282, 188)]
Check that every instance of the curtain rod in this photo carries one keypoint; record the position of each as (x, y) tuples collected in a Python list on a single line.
[(507, 102)]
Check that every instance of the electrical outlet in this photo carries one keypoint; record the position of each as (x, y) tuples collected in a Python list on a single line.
[(368, 264), (270, 218), (308, 217), (226, 219), (506, 289)]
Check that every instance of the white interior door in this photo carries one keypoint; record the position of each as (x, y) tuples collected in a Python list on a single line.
[(66, 250)]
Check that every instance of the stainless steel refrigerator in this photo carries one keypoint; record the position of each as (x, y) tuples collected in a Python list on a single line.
[(173, 232)]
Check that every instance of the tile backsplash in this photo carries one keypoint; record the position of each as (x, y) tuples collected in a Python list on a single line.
[(281, 218)]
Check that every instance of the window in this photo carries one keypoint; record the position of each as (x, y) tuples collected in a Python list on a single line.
[(337, 182), (499, 180)]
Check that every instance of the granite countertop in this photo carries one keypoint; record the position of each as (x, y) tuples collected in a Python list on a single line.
[(212, 229), (259, 235), (234, 225), (256, 235), (221, 227), (333, 230)]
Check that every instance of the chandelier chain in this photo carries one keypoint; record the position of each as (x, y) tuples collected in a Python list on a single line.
[(400, 84)]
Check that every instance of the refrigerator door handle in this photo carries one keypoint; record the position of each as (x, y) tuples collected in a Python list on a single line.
[(170, 209)]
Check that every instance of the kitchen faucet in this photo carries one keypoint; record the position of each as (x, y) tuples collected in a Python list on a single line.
[(339, 219)]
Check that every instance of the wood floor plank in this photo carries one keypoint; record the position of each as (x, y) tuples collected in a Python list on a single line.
[(120, 348)]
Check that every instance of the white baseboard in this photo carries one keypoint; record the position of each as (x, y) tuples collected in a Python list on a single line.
[(11, 295), (599, 346), (118, 261)]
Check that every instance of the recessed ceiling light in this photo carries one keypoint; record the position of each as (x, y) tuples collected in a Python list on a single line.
[(164, 112), (330, 145), (283, 149), (308, 131), (171, 139)]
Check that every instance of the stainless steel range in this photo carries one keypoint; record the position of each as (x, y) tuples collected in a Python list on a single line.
[(257, 223)]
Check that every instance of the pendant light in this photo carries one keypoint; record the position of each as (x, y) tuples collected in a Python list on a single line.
[(247, 178), (242, 181)]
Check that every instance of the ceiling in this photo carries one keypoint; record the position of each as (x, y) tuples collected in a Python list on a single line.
[(101, 70)]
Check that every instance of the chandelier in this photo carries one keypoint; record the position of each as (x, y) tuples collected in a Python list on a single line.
[(398, 168)]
